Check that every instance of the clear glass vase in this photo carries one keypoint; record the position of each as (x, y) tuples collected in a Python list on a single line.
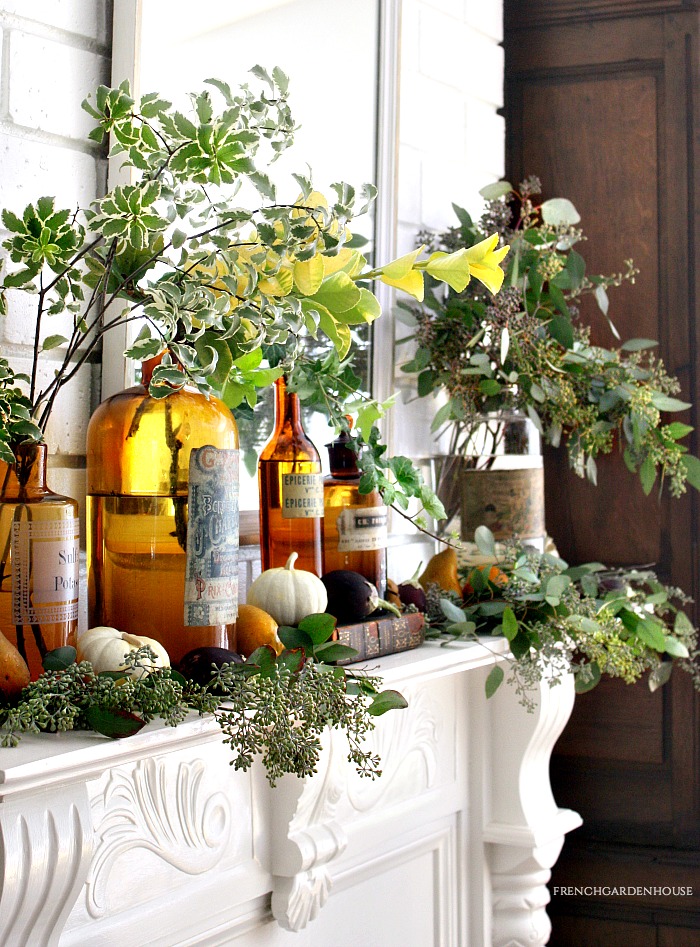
[(40, 559), (153, 569)]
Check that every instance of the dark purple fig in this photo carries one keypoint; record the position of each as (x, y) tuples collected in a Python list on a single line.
[(198, 665), (411, 592), (351, 598)]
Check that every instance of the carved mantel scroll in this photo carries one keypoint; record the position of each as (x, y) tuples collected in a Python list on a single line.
[(156, 839)]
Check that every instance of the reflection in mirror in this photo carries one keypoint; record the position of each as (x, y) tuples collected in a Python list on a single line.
[(330, 53)]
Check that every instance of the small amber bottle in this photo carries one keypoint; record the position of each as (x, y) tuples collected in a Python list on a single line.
[(291, 490), (355, 524)]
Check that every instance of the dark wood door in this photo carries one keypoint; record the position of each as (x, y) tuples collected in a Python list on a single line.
[(603, 103)]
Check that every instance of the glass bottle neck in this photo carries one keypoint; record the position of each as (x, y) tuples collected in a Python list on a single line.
[(26, 477), (287, 408)]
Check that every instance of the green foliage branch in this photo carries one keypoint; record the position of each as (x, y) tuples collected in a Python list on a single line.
[(587, 620), (215, 284), (526, 350)]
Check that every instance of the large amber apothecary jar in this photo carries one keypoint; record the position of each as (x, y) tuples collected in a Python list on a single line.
[(162, 517)]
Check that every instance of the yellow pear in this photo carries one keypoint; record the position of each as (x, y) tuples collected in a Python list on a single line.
[(14, 673), (442, 570)]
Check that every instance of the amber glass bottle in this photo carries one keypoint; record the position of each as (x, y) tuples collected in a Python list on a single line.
[(354, 523), (39, 567), (138, 479), (291, 490)]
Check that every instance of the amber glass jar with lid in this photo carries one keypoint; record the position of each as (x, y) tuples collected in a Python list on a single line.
[(141, 454)]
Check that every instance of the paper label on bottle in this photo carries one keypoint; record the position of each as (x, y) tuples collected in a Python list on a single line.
[(45, 571), (302, 495), (211, 573), (362, 529)]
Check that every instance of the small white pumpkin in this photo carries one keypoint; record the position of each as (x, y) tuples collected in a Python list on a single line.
[(105, 648), (288, 594)]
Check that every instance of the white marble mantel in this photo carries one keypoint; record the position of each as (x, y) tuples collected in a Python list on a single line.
[(157, 840)]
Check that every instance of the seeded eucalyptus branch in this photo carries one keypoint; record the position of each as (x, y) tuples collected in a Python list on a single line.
[(273, 706)]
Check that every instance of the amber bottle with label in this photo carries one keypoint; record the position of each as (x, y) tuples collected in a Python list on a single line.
[(39, 561), (162, 517), (291, 490), (354, 523)]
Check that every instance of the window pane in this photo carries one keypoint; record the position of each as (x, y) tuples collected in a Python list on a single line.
[(329, 52)]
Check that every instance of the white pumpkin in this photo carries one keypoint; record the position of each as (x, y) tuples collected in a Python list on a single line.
[(105, 648), (288, 594)]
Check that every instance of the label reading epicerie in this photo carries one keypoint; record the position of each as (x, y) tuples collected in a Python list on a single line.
[(211, 575), (362, 530), (302, 495), (45, 571)]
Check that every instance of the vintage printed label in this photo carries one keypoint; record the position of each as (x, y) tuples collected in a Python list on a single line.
[(211, 576), (509, 502), (362, 529), (302, 495), (45, 571)]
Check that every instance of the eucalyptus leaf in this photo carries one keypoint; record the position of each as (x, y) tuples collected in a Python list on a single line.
[(586, 679), (387, 700), (114, 723), (451, 611), (491, 192), (59, 659), (485, 541), (559, 212), (494, 680), (660, 675)]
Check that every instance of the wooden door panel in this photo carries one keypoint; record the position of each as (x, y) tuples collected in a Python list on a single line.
[(602, 102)]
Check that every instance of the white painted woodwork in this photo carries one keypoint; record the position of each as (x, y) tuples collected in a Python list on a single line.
[(157, 840)]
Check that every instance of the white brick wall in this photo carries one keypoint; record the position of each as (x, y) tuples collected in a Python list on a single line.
[(54, 52)]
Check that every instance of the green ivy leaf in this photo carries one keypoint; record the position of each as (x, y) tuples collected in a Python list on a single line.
[(293, 638), (651, 633)]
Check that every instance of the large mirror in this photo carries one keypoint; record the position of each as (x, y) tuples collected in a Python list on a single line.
[(340, 58)]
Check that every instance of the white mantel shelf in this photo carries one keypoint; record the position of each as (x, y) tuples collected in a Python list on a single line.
[(157, 840)]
